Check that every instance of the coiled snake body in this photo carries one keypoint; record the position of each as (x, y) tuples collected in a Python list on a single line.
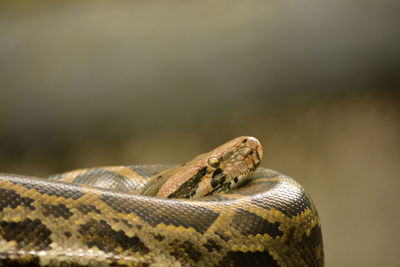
[(206, 212)]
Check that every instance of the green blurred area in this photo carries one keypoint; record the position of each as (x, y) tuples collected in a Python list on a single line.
[(106, 83)]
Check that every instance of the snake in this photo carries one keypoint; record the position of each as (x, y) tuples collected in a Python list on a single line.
[(218, 209)]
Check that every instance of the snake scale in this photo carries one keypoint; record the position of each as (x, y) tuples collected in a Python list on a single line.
[(218, 209)]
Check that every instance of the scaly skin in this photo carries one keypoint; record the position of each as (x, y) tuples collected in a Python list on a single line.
[(72, 219)]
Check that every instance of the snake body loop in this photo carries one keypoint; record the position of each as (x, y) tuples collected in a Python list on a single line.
[(129, 215)]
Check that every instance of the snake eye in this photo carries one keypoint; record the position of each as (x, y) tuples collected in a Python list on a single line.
[(213, 162)]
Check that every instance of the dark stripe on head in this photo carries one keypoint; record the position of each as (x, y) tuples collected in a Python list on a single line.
[(217, 172), (218, 178), (189, 187)]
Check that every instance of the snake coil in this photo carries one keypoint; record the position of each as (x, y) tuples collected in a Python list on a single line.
[(207, 212)]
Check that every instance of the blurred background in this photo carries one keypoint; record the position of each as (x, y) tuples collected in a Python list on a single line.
[(139, 82)]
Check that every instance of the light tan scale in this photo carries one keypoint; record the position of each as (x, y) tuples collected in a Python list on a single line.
[(209, 211)]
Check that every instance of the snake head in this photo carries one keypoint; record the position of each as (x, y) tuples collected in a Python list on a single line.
[(220, 170)]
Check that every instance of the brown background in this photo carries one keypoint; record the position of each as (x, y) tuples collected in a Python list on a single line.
[(141, 82)]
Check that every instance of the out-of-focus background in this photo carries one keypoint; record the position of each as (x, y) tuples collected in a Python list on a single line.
[(139, 82)]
